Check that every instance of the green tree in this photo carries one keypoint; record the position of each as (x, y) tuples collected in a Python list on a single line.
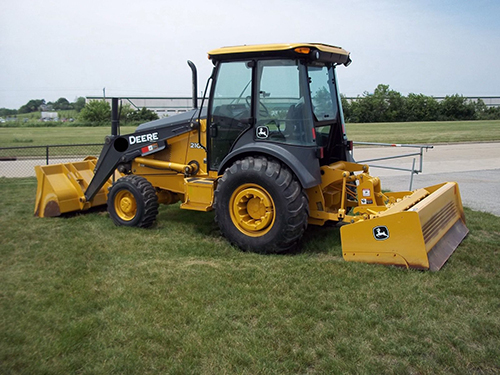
[(322, 101), (421, 108), (62, 104), (484, 112), (78, 104), (125, 110), (142, 115), (347, 108), (384, 105), (5, 112), (32, 106), (96, 113), (456, 107)]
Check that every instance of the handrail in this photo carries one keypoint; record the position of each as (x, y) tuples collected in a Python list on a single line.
[(412, 171)]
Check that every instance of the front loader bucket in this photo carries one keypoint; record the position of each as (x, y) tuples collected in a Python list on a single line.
[(61, 188), (421, 231)]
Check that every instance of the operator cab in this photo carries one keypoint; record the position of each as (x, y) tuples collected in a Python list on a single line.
[(285, 95)]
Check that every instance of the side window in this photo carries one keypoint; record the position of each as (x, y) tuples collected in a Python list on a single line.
[(230, 109), (324, 102), (283, 113)]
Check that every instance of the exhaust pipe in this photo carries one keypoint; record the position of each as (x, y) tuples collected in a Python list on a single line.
[(115, 120), (195, 84)]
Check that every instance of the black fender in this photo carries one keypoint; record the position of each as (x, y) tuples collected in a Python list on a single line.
[(301, 160)]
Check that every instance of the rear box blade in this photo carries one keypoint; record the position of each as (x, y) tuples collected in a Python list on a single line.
[(423, 236)]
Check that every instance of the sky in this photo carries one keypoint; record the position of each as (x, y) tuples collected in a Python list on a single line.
[(63, 48)]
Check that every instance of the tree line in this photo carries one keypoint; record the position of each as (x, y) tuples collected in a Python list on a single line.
[(36, 105), (93, 113), (98, 112), (386, 105), (383, 105)]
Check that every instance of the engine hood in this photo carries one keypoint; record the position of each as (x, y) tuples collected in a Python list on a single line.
[(176, 120)]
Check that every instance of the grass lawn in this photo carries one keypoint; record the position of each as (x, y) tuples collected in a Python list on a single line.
[(400, 132), (79, 295), (18, 137), (425, 132)]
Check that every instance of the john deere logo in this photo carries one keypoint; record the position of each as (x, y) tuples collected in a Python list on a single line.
[(381, 233), (262, 132)]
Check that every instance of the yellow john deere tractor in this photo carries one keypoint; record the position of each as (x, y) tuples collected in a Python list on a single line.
[(269, 154)]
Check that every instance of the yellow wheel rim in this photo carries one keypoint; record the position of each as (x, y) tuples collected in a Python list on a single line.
[(252, 210), (125, 205)]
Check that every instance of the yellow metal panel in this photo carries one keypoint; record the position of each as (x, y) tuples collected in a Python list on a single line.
[(438, 213), (165, 180), (181, 151), (61, 188), (199, 194), (421, 231), (195, 150), (407, 202), (400, 241), (177, 147), (185, 148), (276, 47)]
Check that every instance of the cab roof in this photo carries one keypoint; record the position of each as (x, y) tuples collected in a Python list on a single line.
[(310, 51)]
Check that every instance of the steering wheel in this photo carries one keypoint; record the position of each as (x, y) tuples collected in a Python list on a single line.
[(263, 110)]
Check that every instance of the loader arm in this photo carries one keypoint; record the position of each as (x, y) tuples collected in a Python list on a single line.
[(81, 185), (122, 149)]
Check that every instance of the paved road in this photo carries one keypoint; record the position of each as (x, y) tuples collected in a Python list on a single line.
[(475, 166)]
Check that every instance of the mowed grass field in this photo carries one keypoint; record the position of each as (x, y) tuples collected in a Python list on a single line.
[(80, 295), (19, 137), (401, 132), (425, 132)]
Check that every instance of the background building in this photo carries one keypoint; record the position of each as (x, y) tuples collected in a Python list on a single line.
[(163, 106)]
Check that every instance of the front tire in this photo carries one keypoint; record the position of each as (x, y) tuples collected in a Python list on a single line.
[(132, 201), (260, 206)]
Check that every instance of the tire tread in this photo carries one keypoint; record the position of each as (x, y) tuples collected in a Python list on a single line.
[(297, 206)]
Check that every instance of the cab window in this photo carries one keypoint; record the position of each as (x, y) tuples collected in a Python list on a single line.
[(283, 112), (230, 108)]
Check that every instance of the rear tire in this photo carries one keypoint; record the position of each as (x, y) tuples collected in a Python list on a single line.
[(132, 201), (260, 206)]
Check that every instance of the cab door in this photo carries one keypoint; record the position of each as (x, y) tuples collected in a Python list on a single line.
[(230, 108)]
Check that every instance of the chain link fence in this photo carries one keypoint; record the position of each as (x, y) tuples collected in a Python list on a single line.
[(20, 161)]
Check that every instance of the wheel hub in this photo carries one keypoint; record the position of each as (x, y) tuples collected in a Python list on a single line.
[(125, 205), (252, 210)]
